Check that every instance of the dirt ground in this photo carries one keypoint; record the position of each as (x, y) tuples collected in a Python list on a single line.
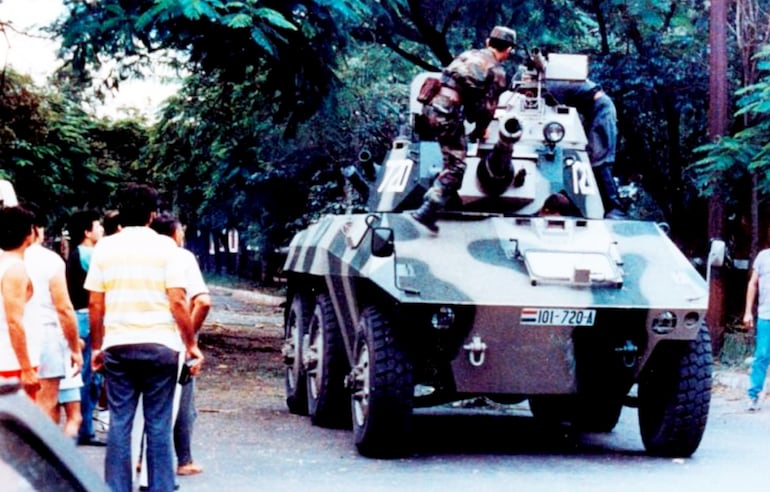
[(241, 341)]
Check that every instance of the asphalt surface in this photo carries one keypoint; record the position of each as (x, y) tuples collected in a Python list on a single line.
[(245, 439)]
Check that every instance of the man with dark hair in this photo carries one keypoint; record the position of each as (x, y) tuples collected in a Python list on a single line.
[(55, 316), (758, 291), (85, 231), (111, 222), (200, 304), (470, 88), (19, 344), (140, 322)]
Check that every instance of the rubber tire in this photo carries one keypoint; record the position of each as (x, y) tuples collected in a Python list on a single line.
[(383, 428), (327, 398), (599, 415), (587, 414), (674, 397), (295, 328)]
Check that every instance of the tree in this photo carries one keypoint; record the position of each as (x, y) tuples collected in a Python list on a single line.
[(54, 153), (295, 44)]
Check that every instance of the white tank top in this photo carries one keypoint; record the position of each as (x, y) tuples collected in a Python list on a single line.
[(8, 360)]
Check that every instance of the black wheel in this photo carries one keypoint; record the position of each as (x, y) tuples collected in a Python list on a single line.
[(552, 409), (599, 415), (587, 414), (294, 334), (674, 397), (383, 391), (326, 367)]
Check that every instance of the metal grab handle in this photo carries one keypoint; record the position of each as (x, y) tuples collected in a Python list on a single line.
[(476, 351)]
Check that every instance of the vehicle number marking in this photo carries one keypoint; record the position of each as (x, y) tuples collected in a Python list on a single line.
[(581, 185), (396, 177), (558, 316)]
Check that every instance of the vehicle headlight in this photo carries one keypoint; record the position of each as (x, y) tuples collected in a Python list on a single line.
[(692, 320), (443, 318), (664, 323), (553, 132)]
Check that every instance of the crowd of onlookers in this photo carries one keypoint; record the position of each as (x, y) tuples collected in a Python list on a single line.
[(109, 329)]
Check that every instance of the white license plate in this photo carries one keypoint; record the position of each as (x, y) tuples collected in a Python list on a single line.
[(558, 316)]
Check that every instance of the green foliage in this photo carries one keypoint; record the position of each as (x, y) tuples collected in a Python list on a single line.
[(278, 95), (296, 44), (223, 162), (56, 155), (731, 159)]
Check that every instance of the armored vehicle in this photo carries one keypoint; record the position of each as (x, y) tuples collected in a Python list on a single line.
[(514, 300)]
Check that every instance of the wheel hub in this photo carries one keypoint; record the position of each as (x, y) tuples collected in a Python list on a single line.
[(361, 387)]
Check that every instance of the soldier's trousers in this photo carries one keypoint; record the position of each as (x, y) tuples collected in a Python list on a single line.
[(450, 133)]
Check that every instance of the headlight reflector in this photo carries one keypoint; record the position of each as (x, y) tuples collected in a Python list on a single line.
[(443, 318), (553, 132), (664, 323)]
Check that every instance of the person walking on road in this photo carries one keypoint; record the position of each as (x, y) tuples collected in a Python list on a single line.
[(85, 230), (139, 322), (758, 290)]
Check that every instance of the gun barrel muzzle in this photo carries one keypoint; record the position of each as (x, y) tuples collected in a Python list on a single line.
[(510, 130)]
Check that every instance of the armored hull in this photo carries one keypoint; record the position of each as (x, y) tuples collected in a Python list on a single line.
[(568, 311)]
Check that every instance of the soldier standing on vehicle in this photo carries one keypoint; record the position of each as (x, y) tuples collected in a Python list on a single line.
[(759, 282), (469, 89), (601, 122)]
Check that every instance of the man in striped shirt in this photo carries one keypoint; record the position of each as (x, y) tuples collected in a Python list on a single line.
[(140, 321)]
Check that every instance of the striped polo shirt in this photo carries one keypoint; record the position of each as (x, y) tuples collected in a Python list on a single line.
[(133, 269)]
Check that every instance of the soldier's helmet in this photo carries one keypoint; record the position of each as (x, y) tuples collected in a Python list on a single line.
[(504, 34)]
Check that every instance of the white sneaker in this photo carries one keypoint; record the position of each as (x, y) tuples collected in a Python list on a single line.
[(753, 405), (102, 420)]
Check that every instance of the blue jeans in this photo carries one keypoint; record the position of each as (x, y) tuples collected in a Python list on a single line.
[(149, 370), (184, 424), (92, 382), (761, 358)]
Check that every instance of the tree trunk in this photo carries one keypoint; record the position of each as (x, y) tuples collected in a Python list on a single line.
[(718, 122), (675, 186), (602, 23)]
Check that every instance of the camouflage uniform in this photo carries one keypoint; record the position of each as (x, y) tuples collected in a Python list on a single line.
[(471, 86)]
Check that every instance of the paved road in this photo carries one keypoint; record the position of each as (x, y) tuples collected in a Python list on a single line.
[(268, 449), (247, 444)]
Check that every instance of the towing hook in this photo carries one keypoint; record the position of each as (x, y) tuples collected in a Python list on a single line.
[(476, 351), (628, 351)]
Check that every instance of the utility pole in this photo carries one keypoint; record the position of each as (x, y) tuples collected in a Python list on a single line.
[(718, 122)]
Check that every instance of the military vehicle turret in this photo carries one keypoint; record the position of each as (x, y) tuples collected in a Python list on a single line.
[(527, 293)]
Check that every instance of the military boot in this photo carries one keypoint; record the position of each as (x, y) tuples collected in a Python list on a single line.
[(427, 215)]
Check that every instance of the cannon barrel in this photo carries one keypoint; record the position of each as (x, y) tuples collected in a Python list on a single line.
[(495, 171)]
